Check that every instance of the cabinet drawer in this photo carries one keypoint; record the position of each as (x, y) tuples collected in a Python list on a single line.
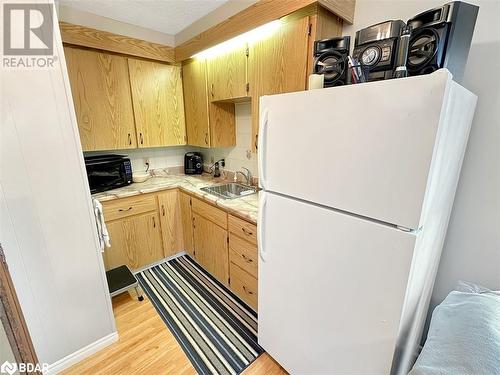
[(123, 207), (244, 285), (209, 212), (243, 229), (243, 254)]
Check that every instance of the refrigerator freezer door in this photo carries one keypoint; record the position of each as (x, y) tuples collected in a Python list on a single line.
[(331, 288), (365, 148)]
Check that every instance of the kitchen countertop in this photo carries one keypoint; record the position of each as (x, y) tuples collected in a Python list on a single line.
[(244, 207)]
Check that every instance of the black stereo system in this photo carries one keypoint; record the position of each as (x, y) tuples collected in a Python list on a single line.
[(441, 38), (375, 48), (330, 59), (434, 39)]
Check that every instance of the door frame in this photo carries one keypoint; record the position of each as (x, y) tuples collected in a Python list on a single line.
[(12, 318)]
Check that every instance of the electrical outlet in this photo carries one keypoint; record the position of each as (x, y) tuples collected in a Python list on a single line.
[(249, 154)]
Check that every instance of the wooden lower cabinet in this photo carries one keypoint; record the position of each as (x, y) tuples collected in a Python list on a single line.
[(210, 243), (171, 222), (135, 241), (243, 261), (187, 223), (244, 285), (147, 228)]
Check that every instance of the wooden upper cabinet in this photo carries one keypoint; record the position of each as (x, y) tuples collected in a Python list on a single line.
[(101, 94), (227, 75), (278, 64), (158, 103), (207, 124), (196, 102), (222, 124)]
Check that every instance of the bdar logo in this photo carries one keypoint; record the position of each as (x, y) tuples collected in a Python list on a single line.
[(27, 29), (8, 368)]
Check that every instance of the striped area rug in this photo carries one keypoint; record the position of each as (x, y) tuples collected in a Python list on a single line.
[(216, 330)]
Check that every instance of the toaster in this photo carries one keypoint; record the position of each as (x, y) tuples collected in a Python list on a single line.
[(193, 163)]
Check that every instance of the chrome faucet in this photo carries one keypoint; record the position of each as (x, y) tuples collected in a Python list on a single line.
[(247, 175)]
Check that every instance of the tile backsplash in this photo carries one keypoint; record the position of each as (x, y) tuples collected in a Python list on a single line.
[(163, 157)]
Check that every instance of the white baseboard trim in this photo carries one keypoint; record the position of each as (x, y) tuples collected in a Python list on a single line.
[(81, 354)]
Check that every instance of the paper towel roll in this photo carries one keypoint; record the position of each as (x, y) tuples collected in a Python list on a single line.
[(316, 81)]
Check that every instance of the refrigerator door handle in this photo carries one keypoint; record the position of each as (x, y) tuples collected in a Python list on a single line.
[(261, 225), (262, 147)]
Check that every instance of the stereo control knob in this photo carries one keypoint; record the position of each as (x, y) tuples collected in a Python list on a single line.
[(370, 56)]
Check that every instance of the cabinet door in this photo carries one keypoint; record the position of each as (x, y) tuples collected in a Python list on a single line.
[(227, 75), (187, 223), (207, 124), (135, 241), (101, 94), (196, 102), (278, 64), (222, 125), (158, 103), (171, 222), (210, 243)]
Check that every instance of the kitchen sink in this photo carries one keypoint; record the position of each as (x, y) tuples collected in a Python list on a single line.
[(230, 191)]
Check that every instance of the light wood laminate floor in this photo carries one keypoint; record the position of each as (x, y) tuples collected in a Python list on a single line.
[(146, 346)]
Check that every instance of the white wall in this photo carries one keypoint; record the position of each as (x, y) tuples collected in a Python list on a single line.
[(47, 227), (472, 248), (239, 155)]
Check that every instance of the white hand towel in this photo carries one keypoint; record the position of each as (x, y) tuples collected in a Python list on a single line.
[(102, 230)]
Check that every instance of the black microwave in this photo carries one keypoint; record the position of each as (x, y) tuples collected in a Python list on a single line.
[(107, 172)]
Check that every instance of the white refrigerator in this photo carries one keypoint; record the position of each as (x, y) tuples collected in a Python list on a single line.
[(358, 184)]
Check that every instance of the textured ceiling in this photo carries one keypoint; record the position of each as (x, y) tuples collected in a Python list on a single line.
[(167, 16)]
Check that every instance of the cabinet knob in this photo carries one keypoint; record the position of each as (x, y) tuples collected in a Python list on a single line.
[(247, 232), (246, 290), (142, 140), (122, 210), (129, 139), (206, 138), (162, 210), (154, 222), (248, 260)]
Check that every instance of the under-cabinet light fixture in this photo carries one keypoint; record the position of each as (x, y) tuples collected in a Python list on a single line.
[(249, 37)]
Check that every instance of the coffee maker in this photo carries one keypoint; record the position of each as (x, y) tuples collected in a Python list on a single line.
[(193, 163)]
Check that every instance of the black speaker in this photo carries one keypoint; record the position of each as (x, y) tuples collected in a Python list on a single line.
[(331, 60), (375, 48), (441, 38)]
